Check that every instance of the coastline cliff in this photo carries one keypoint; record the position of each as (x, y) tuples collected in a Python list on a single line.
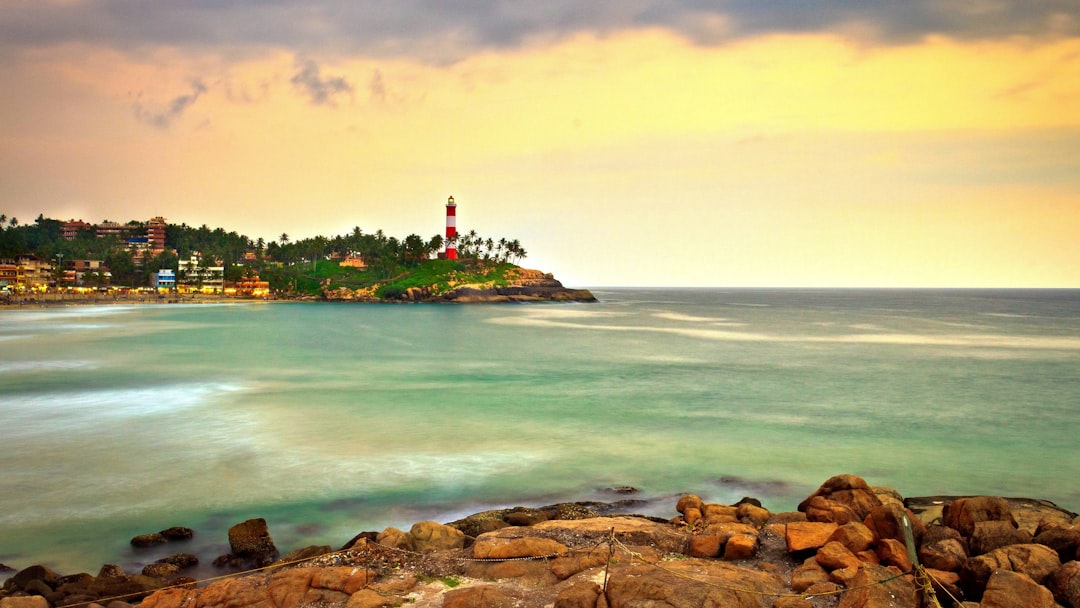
[(509, 284)]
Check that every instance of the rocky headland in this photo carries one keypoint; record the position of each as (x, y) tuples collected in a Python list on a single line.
[(849, 545), (517, 285)]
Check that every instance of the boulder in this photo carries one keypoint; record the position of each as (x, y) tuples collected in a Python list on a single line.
[(946, 554), (718, 514), (891, 552), (689, 501), (1035, 561), (707, 545), (32, 573), (304, 553), (1061, 538), (885, 522), (863, 593), (149, 540), (833, 556), (819, 508), (692, 583), (740, 546), (177, 533), (1007, 589), (160, 570), (851, 491), (963, 513), (395, 539), (251, 541), (627, 530), (808, 574), (577, 561), (990, 535), (579, 595), (753, 514), (800, 536), (433, 536), (180, 560), (524, 516), (1064, 583), (25, 601), (490, 546), (479, 596), (853, 535)]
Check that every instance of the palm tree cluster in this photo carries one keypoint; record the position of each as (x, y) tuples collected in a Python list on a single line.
[(472, 245)]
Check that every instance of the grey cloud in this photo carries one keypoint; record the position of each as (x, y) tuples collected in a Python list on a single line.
[(439, 31), (175, 109), (321, 91)]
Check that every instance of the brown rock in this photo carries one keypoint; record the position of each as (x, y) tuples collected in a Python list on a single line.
[(789, 601), (834, 556), (990, 535), (25, 601), (433, 536), (1064, 583), (577, 561), (863, 593), (851, 491), (808, 574), (946, 554), (580, 595), (627, 530), (692, 515), (251, 540), (149, 540), (819, 508), (479, 596), (808, 535), (160, 570), (1007, 589), (489, 546), (715, 514), (885, 522), (1036, 561), (963, 513), (1061, 538), (705, 546), (689, 501), (892, 552), (945, 584), (680, 585), (396, 539), (888, 496), (740, 546), (853, 535), (524, 516), (753, 514)]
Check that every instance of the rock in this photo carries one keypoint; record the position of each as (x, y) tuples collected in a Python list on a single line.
[(885, 522), (180, 560), (680, 585), (689, 501), (580, 595), (945, 584), (627, 530), (963, 513), (990, 535), (576, 561), (478, 596), (177, 533), (148, 540), (1036, 561), (1064, 583), (888, 496), (891, 552), (740, 546), (863, 593), (705, 546), (1007, 589), (946, 554), (752, 513), (251, 541), (110, 570), (305, 553), (716, 514), (489, 546), (523, 516), (160, 570), (833, 556), (26, 601), (821, 509), (792, 602), (800, 536), (36, 572), (853, 535), (1061, 538), (808, 574), (433, 536), (851, 491), (396, 539)]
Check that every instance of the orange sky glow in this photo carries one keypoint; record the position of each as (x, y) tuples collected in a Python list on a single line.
[(628, 156)]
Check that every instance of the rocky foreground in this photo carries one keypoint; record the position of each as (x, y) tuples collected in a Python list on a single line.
[(844, 547)]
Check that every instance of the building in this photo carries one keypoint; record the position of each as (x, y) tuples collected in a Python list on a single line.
[(82, 272), (251, 287), (163, 280), (9, 275), (155, 233), (120, 231), (71, 229), (192, 276), (33, 273), (353, 260)]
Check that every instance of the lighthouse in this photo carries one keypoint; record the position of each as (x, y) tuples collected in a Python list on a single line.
[(451, 229)]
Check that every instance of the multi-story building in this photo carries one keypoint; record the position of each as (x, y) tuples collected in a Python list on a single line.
[(191, 276), (32, 272), (163, 280), (70, 229), (77, 272), (248, 286), (155, 232), (9, 275)]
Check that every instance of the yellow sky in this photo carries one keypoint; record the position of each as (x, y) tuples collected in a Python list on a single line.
[(633, 158)]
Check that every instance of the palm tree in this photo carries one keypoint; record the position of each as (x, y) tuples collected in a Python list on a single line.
[(284, 238)]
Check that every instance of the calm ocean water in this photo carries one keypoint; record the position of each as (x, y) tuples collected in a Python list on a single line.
[(330, 419)]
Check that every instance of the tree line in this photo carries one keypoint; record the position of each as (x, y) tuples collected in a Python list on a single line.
[(278, 261)]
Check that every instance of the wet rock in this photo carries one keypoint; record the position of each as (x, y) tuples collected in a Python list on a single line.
[(36, 572), (148, 540), (177, 533), (160, 570), (250, 540), (180, 560), (524, 516)]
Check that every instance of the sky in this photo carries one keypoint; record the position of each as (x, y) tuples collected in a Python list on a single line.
[(835, 143)]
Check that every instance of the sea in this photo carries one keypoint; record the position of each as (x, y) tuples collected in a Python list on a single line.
[(329, 419)]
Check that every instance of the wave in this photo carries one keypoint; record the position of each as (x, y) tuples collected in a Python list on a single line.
[(10, 367)]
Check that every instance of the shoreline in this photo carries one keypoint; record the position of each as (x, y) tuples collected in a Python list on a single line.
[(686, 537)]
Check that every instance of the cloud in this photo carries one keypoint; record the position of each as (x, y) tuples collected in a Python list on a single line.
[(175, 109), (377, 87), (320, 91), (442, 32)]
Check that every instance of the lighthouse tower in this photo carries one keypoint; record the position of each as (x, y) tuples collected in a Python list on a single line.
[(451, 229)]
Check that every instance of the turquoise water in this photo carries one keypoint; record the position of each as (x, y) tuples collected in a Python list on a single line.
[(330, 419)]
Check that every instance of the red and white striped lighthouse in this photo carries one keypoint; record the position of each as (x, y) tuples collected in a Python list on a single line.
[(451, 229)]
